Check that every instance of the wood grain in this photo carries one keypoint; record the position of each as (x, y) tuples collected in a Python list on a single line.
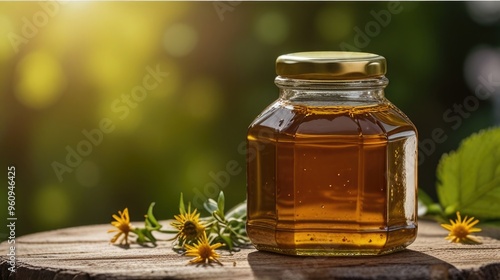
[(85, 253)]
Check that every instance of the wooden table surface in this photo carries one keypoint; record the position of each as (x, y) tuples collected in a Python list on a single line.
[(85, 253)]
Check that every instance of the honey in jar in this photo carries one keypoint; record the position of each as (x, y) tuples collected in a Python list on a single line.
[(331, 164)]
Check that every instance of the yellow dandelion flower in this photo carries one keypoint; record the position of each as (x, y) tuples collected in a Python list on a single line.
[(189, 226), (123, 227), (203, 252), (460, 230)]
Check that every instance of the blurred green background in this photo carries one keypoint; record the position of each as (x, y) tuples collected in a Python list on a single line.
[(66, 65)]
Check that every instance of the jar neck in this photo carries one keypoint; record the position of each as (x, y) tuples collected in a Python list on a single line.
[(357, 91)]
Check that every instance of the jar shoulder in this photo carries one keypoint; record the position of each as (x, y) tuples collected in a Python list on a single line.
[(383, 119)]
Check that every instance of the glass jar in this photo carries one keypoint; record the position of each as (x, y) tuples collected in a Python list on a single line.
[(331, 164)]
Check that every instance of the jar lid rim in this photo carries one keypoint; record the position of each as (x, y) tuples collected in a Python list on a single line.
[(330, 65)]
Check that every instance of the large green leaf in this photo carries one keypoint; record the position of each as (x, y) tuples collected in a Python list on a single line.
[(469, 178)]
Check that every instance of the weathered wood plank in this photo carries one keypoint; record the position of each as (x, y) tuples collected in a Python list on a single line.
[(85, 253)]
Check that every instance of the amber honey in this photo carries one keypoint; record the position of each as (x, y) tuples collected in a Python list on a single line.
[(329, 180), (331, 164)]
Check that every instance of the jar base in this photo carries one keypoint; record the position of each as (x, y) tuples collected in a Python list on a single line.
[(395, 240), (330, 252)]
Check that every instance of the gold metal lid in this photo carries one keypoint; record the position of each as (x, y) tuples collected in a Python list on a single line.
[(330, 65)]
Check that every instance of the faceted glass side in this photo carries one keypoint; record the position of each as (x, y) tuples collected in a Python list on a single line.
[(331, 180)]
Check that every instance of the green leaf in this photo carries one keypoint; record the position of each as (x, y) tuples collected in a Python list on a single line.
[(182, 208), (144, 235), (424, 197), (210, 205), (151, 221), (426, 206), (150, 236), (469, 178), (220, 203), (238, 211), (140, 237), (227, 241)]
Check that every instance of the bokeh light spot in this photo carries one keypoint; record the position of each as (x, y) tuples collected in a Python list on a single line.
[(482, 63), (271, 28), (87, 174), (180, 39), (484, 12), (203, 99), (334, 24), (40, 80), (52, 206)]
